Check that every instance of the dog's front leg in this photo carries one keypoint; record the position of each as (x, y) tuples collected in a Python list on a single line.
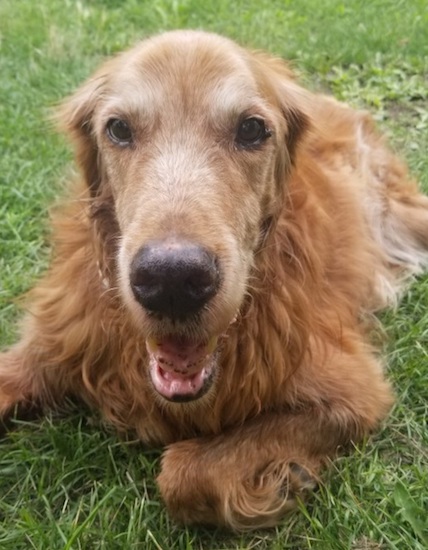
[(244, 479)]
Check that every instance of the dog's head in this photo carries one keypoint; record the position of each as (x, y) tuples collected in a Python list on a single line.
[(189, 139)]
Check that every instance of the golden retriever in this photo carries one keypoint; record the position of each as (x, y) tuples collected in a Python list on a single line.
[(213, 272)]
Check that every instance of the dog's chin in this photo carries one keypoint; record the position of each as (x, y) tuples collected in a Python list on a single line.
[(182, 370)]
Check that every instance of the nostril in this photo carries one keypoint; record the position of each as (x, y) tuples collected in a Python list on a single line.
[(201, 283), (144, 277), (174, 278)]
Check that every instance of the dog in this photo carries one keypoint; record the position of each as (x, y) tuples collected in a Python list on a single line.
[(214, 272)]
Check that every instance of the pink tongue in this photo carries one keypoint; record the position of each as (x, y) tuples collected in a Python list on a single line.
[(173, 385), (178, 367)]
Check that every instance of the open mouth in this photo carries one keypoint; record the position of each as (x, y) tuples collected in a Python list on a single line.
[(180, 369)]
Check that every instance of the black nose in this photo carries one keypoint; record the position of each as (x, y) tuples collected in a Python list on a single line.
[(175, 278)]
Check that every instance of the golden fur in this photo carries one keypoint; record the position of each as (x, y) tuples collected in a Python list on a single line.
[(314, 229)]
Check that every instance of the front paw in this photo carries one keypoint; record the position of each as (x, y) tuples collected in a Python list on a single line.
[(206, 487), (265, 497)]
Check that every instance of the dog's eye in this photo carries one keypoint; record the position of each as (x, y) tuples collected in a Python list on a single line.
[(119, 132), (251, 131)]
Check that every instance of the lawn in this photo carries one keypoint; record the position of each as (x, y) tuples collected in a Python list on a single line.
[(68, 483)]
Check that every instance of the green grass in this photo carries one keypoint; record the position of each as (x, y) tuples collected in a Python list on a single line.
[(67, 483)]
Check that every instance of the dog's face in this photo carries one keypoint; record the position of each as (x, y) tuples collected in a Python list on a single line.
[(191, 138)]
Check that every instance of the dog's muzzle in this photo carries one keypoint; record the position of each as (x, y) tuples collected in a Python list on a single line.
[(174, 280)]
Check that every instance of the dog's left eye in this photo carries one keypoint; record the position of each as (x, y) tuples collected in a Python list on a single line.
[(119, 131), (252, 131)]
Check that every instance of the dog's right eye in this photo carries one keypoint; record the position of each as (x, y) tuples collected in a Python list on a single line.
[(119, 132), (252, 132)]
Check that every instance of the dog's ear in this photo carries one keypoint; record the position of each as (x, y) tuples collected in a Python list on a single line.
[(75, 118)]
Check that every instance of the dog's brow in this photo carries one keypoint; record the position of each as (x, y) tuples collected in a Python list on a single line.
[(135, 96), (233, 95)]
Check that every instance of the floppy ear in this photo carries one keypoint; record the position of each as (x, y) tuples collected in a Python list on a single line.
[(75, 118)]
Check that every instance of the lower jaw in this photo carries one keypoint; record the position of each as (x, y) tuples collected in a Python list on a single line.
[(197, 386), (180, 398)]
